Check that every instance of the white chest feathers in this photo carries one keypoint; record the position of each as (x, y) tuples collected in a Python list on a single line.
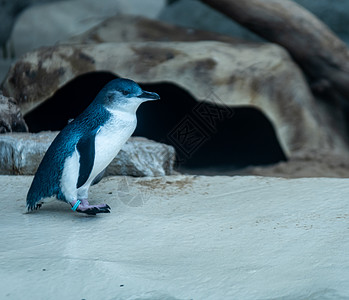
[(111, 137), (108, 142)]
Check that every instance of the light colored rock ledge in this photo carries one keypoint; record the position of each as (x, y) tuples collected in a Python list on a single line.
[(180, 237), (21, 153)]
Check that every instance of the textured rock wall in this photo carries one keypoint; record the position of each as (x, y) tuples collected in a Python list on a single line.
[(10, 116), (240, 74)]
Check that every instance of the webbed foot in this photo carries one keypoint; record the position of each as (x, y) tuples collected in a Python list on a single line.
[(86, 208), (93, 209)]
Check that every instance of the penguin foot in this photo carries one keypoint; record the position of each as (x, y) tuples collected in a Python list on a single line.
[(93, 209), (88, 209)]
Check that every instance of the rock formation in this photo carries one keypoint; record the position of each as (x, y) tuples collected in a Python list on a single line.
[(21, 154), (238, 74), (10, 116)]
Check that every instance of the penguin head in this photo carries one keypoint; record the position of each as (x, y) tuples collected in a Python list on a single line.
[(124, 94)]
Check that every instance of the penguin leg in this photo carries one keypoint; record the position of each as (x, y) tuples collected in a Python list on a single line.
[(86, 208)]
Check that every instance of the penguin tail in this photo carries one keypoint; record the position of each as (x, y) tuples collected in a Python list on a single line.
[(33, 200), (32, 203)]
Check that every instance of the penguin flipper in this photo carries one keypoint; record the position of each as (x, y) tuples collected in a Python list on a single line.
[(86, 149)]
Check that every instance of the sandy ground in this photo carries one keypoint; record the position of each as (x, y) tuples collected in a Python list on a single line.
[(332, 167), (299, 168), (180, 237)]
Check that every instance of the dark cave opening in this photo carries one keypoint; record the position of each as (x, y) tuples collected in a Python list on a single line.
[(67, 103), (207, 136)]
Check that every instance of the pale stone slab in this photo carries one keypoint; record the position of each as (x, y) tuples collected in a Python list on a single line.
[(21, 153)]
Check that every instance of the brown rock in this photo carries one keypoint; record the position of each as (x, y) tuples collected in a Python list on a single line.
[(126, 28), (10, 116), (258, 75)]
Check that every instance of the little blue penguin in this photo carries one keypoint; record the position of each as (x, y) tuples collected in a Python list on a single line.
[(85, 147)]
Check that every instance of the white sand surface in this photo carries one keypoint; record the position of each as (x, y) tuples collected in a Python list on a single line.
[(180, 237)]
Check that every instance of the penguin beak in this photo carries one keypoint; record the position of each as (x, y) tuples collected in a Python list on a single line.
[(149, 96)]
